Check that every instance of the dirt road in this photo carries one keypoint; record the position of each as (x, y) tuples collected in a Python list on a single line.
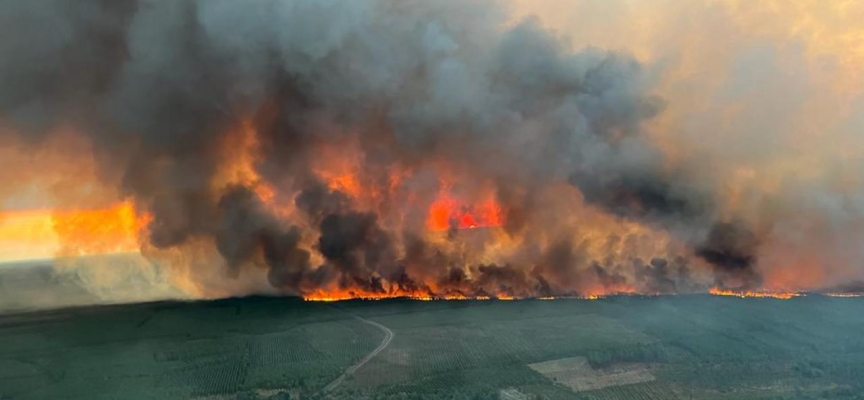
[(350, 370)]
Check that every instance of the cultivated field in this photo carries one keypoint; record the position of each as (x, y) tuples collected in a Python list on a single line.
[(682, 347)]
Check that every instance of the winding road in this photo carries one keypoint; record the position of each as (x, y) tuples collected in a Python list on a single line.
[(350, 370)]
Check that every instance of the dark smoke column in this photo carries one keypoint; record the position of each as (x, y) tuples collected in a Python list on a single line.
[(433, 89)]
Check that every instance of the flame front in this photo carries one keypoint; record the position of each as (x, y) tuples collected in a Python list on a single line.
[(752, 293)]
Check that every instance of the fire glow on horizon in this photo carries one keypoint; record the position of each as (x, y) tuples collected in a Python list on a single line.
[(41, 234)]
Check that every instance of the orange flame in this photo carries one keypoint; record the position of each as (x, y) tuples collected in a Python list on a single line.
[(588, 297), (749, 293), (330, 295)]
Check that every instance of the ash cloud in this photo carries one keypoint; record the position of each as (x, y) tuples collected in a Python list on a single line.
[(157, 86)]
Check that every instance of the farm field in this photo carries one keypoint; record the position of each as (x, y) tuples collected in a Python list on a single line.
[(675, 347)]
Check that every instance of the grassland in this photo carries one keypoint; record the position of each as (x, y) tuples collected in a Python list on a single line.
[(681, 347)]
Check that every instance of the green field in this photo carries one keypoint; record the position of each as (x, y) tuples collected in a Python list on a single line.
[(677, 347)]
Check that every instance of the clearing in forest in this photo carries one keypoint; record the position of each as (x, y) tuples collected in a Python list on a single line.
[(577, 373), (511, 394)]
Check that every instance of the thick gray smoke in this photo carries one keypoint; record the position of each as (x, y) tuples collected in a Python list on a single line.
[(157, 85)]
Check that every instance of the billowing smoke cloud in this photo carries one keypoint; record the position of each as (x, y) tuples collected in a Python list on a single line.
[(763, 113), (314, 141)]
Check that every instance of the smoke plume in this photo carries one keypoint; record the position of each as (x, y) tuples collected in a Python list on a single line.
[(382, 148)]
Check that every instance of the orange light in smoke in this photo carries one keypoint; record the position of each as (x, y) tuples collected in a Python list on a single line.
[(339, 166), (241, 150), (99, 231), (26, 234), (439, 215), (445, 212), (346, 183), (36, 234)]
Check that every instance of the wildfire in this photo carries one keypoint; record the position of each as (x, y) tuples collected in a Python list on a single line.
[(588, 297), (241, 149), (109, 230), (750, 293), (323, 296), (331, 296), (339, 166), (328, 295), (445, 212), (28, 234)]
